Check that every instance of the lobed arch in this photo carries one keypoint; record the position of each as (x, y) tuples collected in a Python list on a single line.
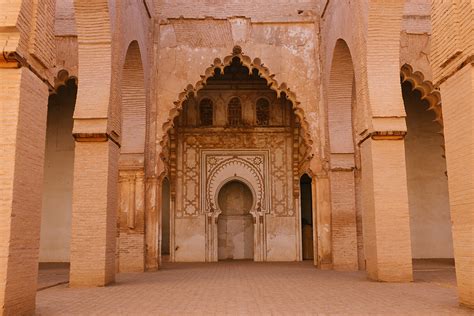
[(282, 90), (244, 181), (61, 80), (426, 88), (225, 172)]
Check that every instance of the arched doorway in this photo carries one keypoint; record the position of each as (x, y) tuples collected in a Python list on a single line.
[(306, 202), (235, 223)]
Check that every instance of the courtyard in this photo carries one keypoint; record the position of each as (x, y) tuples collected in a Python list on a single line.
[(250, 288)]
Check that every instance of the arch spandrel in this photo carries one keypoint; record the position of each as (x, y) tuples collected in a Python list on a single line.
[(282, 90)]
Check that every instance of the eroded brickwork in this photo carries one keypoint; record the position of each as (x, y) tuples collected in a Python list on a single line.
[(23, 129), (453, 71)]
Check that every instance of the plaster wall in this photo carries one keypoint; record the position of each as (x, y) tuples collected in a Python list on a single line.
[(256, 10), (235, 237), (190, 239)]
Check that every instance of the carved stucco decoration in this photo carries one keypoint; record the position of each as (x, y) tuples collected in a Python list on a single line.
[(426, 88), (193, 172), (428, 93), (246, 167), (62, 79), (282, 90)]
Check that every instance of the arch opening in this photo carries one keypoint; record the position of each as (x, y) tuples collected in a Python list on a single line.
[(235, 223), (307, 226), (165, 219), (346, 219), (58, 172), (132, 132), (428, 198)]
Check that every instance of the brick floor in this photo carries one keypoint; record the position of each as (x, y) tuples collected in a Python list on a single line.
[(242, 287)]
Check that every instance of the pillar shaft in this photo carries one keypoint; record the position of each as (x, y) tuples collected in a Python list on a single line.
[(343, 220), (386, 222), (323, 222), (94, 213), (152, 221), (458, 115), (23, 111)]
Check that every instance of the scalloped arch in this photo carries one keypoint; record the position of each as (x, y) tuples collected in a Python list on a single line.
[(264, 72), (225, 172), (61, 80), (426, 88)]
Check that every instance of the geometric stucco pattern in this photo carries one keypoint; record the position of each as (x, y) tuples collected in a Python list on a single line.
[(272, 172)]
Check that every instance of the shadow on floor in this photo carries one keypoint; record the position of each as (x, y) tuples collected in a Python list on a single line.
[(51, 274), (438, 271)]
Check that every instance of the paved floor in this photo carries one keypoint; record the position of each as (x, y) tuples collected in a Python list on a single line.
[(242, 287), (52, 274)]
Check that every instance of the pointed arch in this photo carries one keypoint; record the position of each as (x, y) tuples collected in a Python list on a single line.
[(341, 101), (255, 66), (340, 92)]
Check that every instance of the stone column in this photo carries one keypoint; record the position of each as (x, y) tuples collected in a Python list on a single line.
[(458, 113), (23, 111), (386, 222), (94, 211), (323, 222)]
